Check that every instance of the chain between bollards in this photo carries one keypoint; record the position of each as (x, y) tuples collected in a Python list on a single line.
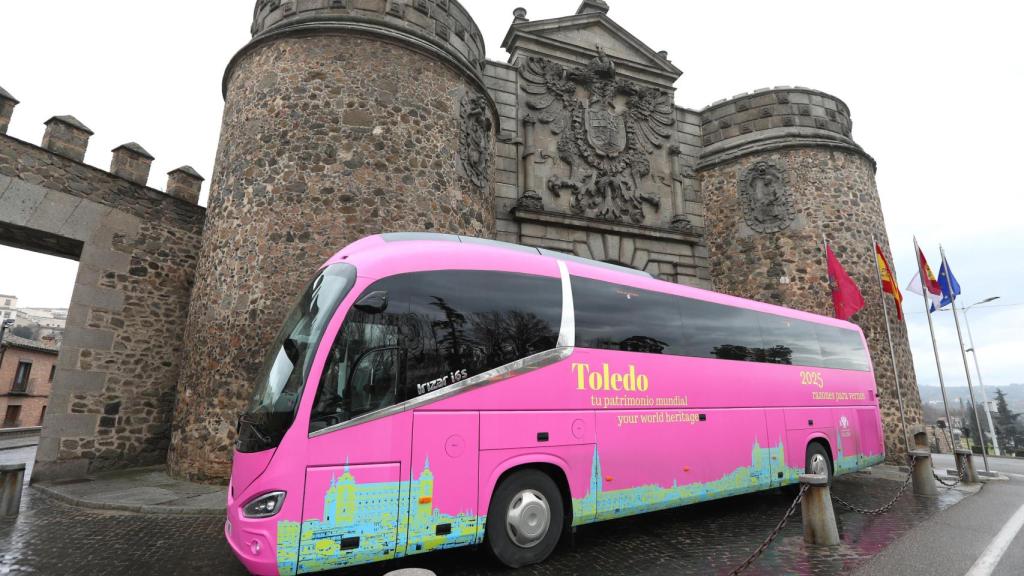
[(774, 534), (955, 483), (876, 511), (887, 507)]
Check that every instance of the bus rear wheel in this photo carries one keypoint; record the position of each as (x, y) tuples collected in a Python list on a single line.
[(525, 518), (819, 461)]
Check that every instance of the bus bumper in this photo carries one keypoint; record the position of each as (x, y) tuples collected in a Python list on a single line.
[(252, 541)]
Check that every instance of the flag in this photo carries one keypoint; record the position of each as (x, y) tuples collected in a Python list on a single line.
[(931, 285), (947, 284), (889, 280), (845, 296)]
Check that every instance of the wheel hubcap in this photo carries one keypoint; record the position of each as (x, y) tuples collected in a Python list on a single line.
[(819, 465), (528, 518)]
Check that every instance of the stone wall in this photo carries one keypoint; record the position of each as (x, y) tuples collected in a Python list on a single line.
[(113, 394), (832, 193), (328, 136)]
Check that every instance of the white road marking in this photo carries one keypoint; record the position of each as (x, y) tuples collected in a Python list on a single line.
[(988, 560)]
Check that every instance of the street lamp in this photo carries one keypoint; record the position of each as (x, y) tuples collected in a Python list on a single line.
[(974, 352)]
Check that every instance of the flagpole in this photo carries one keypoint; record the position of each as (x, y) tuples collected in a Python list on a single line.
[(935, 346), (960, 338), (888, 334), (828, 275)]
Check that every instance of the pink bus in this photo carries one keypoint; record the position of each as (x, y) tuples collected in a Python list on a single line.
[(431, 391)]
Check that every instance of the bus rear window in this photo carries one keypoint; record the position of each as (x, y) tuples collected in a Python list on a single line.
[(614, 317)]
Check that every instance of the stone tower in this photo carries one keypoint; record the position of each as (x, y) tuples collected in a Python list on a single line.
[(779, 172), (342, 118)]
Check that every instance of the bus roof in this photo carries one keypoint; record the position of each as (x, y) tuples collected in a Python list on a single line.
[(577, 265)]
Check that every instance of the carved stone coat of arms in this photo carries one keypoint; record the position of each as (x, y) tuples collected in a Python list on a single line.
[(607, 129)]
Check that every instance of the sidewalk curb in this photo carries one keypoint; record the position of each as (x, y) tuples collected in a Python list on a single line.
[(137, 508)]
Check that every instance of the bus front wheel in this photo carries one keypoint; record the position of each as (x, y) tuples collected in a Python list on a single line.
[(524, 521)]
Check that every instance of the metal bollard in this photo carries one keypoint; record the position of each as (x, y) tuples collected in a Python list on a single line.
[(924, 477), (12, 478), (816, 510), (965, 467)]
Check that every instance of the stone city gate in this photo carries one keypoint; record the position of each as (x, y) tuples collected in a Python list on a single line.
[(349, 118), (113, 391)]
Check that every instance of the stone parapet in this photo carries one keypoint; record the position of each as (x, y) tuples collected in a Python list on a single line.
[(442, 27), (22, 160), (773, 118)]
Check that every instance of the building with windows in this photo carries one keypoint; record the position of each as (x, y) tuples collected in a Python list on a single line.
[(44, 321), (8, 307), (27, 368)]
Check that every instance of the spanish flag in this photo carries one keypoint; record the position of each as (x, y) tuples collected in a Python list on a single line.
[(889, 280)]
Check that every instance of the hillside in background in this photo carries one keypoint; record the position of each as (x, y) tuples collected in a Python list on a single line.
[(1014, 395)]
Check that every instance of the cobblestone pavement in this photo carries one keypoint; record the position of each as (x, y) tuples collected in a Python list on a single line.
[(50, 537)]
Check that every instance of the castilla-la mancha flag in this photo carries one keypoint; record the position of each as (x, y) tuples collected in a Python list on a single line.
[(846, 296), (889, 280)]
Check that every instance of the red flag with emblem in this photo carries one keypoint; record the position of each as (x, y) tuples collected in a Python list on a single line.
[(846, 297)]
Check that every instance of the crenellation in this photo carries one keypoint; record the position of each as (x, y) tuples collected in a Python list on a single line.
[(184, 183), (7, 104), (131, 162), (66, 136)]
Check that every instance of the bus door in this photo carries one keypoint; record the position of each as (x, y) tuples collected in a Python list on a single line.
[(443, 485), (349, 516)]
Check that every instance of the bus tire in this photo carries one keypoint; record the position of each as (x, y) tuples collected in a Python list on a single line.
[(818, 458), (525, 518)]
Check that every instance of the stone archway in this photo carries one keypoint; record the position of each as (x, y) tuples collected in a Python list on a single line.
[(113, 389)]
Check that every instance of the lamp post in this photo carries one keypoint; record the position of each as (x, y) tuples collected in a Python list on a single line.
[(977, 368)]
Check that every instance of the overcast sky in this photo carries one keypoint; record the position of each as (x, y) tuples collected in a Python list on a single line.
[(934, 89)]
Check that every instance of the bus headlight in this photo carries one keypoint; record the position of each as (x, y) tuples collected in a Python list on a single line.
[(264, 506)]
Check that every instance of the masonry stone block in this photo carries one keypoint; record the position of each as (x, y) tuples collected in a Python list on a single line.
[(18, 203), (53, 211), (84, 220)]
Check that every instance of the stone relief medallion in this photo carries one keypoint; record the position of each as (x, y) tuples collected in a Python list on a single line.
[(607, 129), (475, 140), (765, 198)]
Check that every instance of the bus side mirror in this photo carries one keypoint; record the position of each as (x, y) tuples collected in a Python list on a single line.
[(373, 303)]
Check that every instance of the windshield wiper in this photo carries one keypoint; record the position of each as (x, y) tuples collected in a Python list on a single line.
[(254, 426)]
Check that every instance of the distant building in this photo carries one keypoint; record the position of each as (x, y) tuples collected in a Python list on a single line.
[(45, 321), (27, 368), (8, 307)]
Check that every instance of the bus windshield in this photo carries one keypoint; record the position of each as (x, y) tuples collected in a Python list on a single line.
[(280, 381)]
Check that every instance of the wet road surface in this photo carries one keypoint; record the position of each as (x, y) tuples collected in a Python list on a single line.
[(50, 537)]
